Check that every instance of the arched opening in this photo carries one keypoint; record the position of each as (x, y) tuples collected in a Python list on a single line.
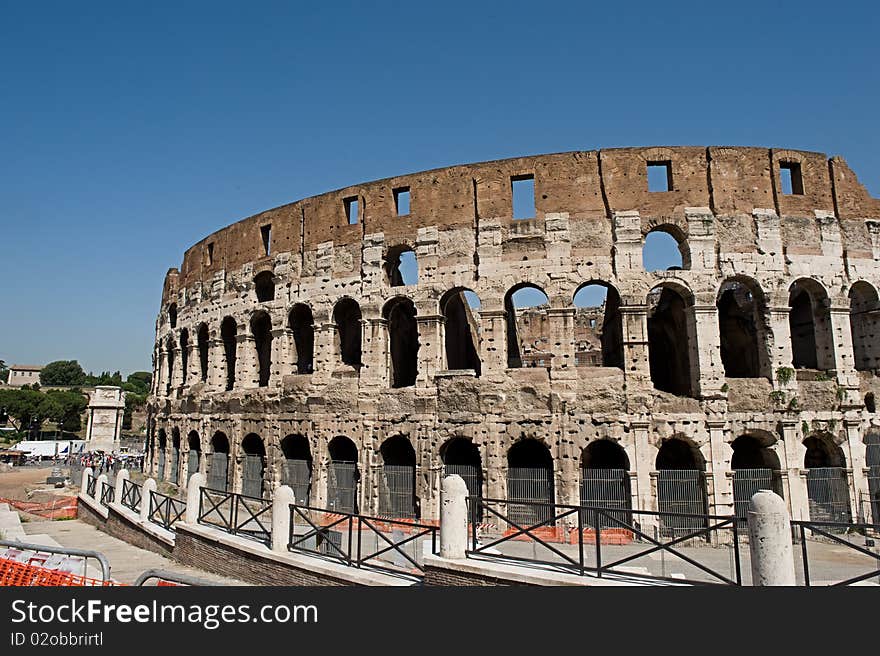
[(264, 286), (755, 467), (163, 444), (397, 486), (864, 311), (401, 266), (666, 249), (528, 333), (872, 460), (204, 342), (743, 330), (462, 457), (598, 326), (302, 325), (175, 456), (347, 317), (172, 315), (670, 334), (681, 488), (297, 469), (461, 329), (170, 348), (253, 465), (870, 402), (194, 456), (605, 483), (342, 475), (530, 484), (218, 470), (827, 483), (184, 354), (809, 323), (261, 328), (403, 341), (228, 333)]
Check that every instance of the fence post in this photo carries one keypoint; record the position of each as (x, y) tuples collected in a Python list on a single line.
[(148, 486), (193, 496), (281, 502), (453, 517), (120, 478), (84, 481), (99, 487), (770, 540)]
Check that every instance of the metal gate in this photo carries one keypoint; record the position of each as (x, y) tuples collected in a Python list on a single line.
[(252, 475), (828, 494), (533, 485), (162, 465), (873, 505), (298, 475), (606, 488), (175, 464), (682, 491), (192, 464), (397, 492), (342, 478), (746, 482), (473, 479), (217, 478)]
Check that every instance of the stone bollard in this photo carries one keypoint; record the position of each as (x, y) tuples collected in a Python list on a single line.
[(770, 540), (84, 482), (194, 496), (453, 517), (121, 477), (281, 502), (99, 486), (148, 486)]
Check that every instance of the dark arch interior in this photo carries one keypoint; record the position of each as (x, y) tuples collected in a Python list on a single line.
[(184, 353), (803, 331), (529, 453), (460, 451), (342, 475), (678, 454), (461, 334), (163, 439), (297, 467), (172, 315), (403, 336), (261, 327), (253, 465), (598, 324), (228, 332), (863, 320), (604, 454), (393, 263), (218, 464), (252, 445), (520, 353), (302, 323), (347, 317), (264, 285), (342, 449), (530, 479), (220, 443), (203, 339), (749, 453), (738, 316), (194, 443), (170, 358), (398, 450), (296, 447), (668, 343), (822, 452)]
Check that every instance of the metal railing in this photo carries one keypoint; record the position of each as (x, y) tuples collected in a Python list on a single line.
[(131, 495), (165, 510), (388, 545), (91, 483), (108, 492), (603, 541), (236, 514), (836, 533)]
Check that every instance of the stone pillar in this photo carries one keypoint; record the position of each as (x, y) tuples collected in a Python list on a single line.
[(795, 451), (770, 541), (841, 341), (562, 338), (161, 373), (643, 465), (627, 241), (326, 351), (453, 517), (216, 365), (84, 482), (493, 345), (193, 362), (780, 355), (177, 374), (636, 366), (721, 454), (375, 353), (247, 370), (707, 371), (148, 487), (121, 477), (193, 497), (281, 502), (858, 466), (282, 365), (430, 347), (701, 238)]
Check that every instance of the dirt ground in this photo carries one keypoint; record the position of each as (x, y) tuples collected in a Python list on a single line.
[(12, 483)]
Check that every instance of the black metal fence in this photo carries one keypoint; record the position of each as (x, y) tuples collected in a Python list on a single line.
[(397, 493), (828, 494), (165, 510), (108, 492), (388, 545), (682, 500), (91, 483), (606, 488), (856, 561), (611, 542), (131, 495), (746, 483), (236, 514)]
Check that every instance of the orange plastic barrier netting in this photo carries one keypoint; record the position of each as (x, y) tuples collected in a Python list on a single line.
[(61, 508), (13, 573)]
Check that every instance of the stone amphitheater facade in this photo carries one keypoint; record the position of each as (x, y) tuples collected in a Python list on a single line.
[(289, 337)]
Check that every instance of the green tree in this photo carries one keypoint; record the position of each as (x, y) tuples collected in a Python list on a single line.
[(133, 401), (63, 372), (27, 408), (139, 382), (4, 372), (70, 406)]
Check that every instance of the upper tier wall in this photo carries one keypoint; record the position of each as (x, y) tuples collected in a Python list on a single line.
[(588, 186)]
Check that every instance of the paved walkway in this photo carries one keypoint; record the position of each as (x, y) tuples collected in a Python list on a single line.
[(126, 561)]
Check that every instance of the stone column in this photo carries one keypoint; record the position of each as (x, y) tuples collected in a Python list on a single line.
[(841, 332), (150, 486), (562, 338), (282, 365), (193, 362), (217, 365), (162, 373), (858, 466), (281, 502), (193, 497), (247, 370), (721, 455), (430, 347), (177, 377), (636, 366), (628, 241), (643, 465), (375, 353), (493, 345), (453, 517), (770, 541), (781, 356), (707, 371), (326, 351), (794, 462)]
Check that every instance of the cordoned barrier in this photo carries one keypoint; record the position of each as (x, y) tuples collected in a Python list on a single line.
[(14, 573), (236, 514)]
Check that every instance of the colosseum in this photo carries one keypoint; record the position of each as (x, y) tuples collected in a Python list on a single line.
[(498, 320)]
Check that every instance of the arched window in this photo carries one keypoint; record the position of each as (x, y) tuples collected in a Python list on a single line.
[(253, 465), (184, 354), (462, 457), (228, 333), (218, 470), (461, 329), (670, 332), (163, 444), (261, 328), (402, 266), (397, 487), (302, 324), (347, 317), (755, 467), (172, 315), (169, 348), (530, 482), (827, 484), (264, 286), (666, 249), (204, 343), (681, 488), (342, 475), (810, 326), (403, 341), (175, 456), (194, 456), (528, 333), (598, 326), (605, 483), (297, 468), (743, 329), (864, 312)]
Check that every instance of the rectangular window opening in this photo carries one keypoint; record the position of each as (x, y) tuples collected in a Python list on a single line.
[(210, 254), (351, 210), (401, 201), (790, 178), (523, 190), (660, 176), (266, 233)]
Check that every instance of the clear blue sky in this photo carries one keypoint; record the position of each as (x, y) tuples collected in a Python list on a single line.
[(129, 131)]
